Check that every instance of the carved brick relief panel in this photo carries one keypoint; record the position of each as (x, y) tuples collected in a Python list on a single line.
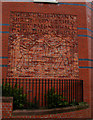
[(43, 45)]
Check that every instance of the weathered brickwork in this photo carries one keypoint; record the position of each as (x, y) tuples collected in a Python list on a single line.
[(6, 110), (43, 45), (84, 45), (7, 107)]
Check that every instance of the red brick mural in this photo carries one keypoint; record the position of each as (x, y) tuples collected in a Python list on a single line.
[(43, 45)]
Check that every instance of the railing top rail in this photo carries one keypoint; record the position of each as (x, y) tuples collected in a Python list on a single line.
[(39, 78), (42, 78)]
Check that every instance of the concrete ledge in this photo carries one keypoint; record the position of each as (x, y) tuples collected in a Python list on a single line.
[(48, 111), (7, 99)]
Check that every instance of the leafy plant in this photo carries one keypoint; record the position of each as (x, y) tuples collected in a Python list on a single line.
[(33, 105), (19, 99), (82, 103), (74, 103), (54, 100)]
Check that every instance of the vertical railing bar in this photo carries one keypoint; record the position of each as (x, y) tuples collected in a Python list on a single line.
[(79, 89), (54, 85), (16, 82), (23, 88), (12, 86), (51, 88), (32, 89), (65, 88), (6, 82), (19, 89), (62, 87), (48, 85), (12, 91), (51, 83), (39, 92), (59, 86), (29, 91), (9, 86), (45, 92), (69, 91), (48, 89), (82, 90), (2, 85), (36, 90), (26, 92), (2, 80), (31, 82), (75, 90), (42, 92)]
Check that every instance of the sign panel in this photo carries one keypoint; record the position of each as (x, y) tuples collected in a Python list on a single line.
[(51, 1)]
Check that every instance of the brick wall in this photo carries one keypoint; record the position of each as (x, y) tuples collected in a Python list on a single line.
[(83, 39), (90, 49), (7, 107)]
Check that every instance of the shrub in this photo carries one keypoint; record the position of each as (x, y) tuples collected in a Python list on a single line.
[(83, 103), (73, 103), (34, 105), (54, 100), (19, 99)]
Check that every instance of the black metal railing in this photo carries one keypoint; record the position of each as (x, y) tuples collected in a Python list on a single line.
[(37, 89)]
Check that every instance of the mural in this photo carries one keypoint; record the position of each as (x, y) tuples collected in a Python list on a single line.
[(43, 45)]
